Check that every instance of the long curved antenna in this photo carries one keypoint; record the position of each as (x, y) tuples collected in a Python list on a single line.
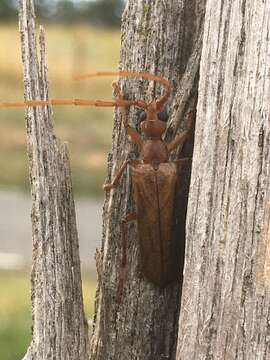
[(100, 103), (76, 102), (145, 75)]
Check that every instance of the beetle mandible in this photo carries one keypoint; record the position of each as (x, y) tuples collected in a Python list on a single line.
[(154, 176)]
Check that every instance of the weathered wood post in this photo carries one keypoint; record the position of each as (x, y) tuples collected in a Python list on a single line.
[(226, 292), (162, 37), (59, 325)]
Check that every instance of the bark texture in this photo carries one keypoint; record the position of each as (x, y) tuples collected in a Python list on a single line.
[(59, 325), (226, 293), (162, 37)]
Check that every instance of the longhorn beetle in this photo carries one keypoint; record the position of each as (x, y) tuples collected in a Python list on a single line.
[(154, 177)]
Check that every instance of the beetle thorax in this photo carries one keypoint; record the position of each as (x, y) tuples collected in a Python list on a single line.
[(154, 152), (153, 129)]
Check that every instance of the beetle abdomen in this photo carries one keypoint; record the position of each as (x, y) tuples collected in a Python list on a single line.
[(154, 193)]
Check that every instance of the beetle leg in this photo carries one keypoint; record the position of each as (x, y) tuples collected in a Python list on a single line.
[(179, 140), (115, 182), (135, 136), (123, 267)]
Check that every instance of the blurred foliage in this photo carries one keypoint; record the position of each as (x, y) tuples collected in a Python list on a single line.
[(98, 12), (70, 50), (104, 12), (15, 311), (7, 10)]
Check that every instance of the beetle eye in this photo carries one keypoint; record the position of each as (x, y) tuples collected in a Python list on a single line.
[(142, 116), (163, 115)]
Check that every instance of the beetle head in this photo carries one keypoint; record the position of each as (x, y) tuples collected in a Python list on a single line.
[(152, 126)]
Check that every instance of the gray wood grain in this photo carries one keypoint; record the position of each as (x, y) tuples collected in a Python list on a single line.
[(59, 325), (225, 311)]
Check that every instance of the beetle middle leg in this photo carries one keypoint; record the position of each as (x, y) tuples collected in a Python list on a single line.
[(123, 267), (178, 141), (116, 180), (180, 138)]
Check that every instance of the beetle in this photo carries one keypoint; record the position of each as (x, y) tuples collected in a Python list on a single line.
[(154, 177)]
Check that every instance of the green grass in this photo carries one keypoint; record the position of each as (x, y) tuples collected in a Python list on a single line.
[(15, 313), (70, 50)]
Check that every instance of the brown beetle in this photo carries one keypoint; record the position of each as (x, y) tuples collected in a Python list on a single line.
[(154, 178)]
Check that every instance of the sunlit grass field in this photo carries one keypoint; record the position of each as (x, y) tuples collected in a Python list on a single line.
[(15, 313), (70, 51)]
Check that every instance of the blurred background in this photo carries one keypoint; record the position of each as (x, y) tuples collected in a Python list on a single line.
[(82, 36)]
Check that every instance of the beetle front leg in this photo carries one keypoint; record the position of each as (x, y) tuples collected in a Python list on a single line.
[(135, 136)]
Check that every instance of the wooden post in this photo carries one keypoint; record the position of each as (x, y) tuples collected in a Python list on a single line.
[(162, 37), (59, 325), (226, 291)]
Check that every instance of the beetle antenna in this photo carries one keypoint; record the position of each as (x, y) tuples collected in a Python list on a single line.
[(100, 103), (134, 74), (76, 102)]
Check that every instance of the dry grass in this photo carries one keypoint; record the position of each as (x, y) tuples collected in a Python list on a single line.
[(70, 51)]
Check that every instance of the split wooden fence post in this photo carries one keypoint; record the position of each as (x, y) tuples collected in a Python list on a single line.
[(59, 325)]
